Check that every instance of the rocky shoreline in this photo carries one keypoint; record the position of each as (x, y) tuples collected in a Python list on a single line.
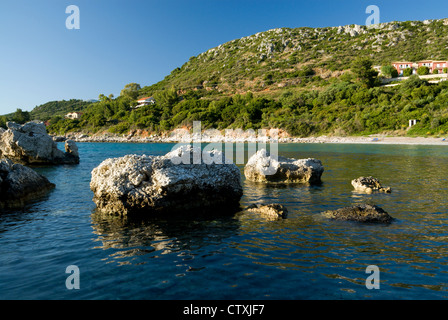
[(176, 137)]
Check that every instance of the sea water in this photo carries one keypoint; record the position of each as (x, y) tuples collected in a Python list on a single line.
[(239, 255)]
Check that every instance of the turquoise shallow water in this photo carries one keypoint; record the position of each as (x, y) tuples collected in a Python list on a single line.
[(239, 256)]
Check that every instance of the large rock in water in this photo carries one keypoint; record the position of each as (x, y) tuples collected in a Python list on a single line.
[(261, 167), (30, 144), (19, 184), (152, 184), (360, 213)]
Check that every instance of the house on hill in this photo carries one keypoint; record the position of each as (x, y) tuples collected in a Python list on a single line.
[(439, 66), (403, 65), (432, 65), (145, 102)]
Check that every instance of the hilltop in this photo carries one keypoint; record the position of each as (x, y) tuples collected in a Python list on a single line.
[(305, 81), (284, 58)]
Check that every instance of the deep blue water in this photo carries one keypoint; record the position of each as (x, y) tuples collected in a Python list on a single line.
[(240, 255)]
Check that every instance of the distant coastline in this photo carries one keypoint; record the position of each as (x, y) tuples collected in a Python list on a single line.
[(176, 138)]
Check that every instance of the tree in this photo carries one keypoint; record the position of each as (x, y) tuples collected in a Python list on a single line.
[(422, 71), (362, 68), (102, 98), (435, 71), (389, 71), (167, 98), (131, 90), (413, 82), (407, 72), (3, 120), (21, 116)]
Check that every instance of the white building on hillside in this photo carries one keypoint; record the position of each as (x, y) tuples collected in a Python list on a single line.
[(73, 115), (145, 102)]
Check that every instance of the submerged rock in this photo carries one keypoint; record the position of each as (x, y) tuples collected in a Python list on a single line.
[(261, 167), (271, 211), (30, 144), (360, 213), (19, 184), (369, 185), (165, 184)]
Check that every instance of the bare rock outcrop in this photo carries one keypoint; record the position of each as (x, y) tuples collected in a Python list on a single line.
[(261, 167), (369, 185), (30, 144), (176, 182), (360, 213), (272, 211), (20, 184)]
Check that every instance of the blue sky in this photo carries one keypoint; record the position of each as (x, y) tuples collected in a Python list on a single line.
[(144, 40)]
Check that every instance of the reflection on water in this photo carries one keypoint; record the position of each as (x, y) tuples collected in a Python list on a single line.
[(138, 236)]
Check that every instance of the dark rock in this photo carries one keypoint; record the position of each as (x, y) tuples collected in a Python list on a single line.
[(360, 213), (19, 185)]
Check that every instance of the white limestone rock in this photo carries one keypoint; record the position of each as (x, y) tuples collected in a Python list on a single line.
[(152, 184), (261, 167), (30, 144)]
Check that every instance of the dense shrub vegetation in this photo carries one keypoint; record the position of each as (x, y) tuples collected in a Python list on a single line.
[(341, 108)]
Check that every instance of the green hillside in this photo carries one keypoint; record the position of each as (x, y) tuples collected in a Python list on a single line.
[(51, 109), (46, 111), (291, 58), (305, 81)]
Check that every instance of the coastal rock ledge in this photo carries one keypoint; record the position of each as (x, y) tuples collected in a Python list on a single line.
[(163, 184), (29, 144), (261, 167), (360, 213), (19, 184)]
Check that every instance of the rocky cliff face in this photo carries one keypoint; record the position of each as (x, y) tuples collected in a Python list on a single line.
[(30, 144)]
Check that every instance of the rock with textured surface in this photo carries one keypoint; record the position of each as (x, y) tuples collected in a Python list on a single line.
[(19, 184), (30, 144), (369, 185), (272, 211), (261, 167), (152, 184), (360, 213)]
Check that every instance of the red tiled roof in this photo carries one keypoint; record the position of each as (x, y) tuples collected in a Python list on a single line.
[(143, 99)]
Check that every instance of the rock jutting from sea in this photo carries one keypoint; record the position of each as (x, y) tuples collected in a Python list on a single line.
[(262, 167), (179, 182), (271, 212), (360, 213), (30, 144), (19, 185), (369, 185)]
